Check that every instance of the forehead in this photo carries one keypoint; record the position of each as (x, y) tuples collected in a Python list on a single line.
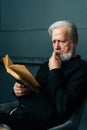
[(61, 31)]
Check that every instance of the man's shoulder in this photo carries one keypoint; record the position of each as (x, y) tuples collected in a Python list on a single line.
[(83, 65), (84, 62), (80, 61)]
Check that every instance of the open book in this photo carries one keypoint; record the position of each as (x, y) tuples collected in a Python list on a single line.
[(21, 73)]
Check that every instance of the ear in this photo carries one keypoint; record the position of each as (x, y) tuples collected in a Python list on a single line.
[(75, 42)]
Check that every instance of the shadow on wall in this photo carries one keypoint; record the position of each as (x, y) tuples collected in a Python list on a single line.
[(6, 85)]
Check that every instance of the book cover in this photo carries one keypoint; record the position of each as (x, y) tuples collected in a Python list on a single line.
[(21, 73)]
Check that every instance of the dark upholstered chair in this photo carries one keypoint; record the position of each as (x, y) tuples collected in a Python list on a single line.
[(71, 124), (74, 121)]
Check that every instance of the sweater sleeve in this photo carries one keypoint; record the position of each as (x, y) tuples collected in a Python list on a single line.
[(66, 95)]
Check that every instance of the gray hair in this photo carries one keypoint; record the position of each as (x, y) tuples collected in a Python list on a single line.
[(72, 29)]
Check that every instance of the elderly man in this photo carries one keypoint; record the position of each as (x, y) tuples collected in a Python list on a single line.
[(63, 80)]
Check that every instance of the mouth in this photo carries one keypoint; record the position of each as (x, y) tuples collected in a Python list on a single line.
[(58, 51)]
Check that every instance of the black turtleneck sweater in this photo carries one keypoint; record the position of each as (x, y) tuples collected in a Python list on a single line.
[(61, 92)]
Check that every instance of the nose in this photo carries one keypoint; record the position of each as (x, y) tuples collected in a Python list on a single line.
[(57, 45)]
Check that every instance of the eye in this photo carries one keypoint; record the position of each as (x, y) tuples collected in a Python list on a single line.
[(62, 41), (54, 41)]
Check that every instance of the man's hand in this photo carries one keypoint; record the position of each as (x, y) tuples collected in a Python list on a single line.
[(54, 61), (20, 90)]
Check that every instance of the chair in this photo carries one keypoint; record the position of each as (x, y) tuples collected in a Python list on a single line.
[(74, 121), (4, 127)]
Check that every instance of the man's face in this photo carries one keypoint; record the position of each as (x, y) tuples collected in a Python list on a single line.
[(62, 43)]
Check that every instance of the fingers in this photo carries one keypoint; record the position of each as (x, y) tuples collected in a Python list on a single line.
[(18, 85), (54, 61), (19, 89)]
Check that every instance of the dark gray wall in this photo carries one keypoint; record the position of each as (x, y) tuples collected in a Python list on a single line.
[(24, 25), (24, 36)]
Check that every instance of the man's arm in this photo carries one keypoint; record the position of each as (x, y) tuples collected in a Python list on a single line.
[(66, 95)]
